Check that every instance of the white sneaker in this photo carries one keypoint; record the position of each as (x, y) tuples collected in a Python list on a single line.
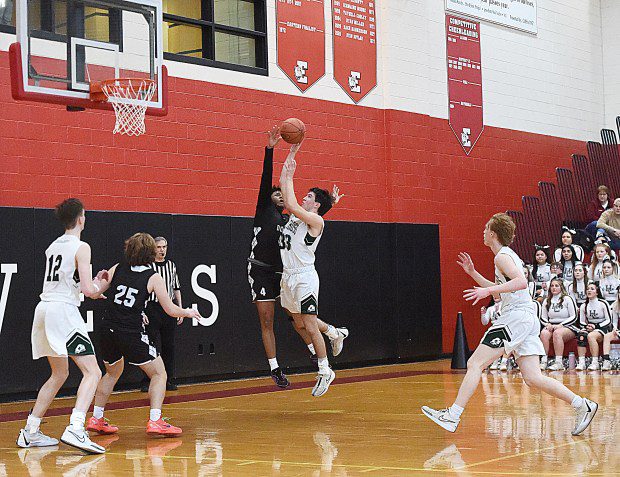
[(556, 366), (442, 418), (338, 342), (503, 366), (38, 439), (581, 365), (323, 380), (80, 440), (585, 414), (543, 364), (606, 365), (494, 365), (594, 366)]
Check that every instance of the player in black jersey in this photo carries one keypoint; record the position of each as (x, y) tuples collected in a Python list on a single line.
[(123, 337), (265, 264)]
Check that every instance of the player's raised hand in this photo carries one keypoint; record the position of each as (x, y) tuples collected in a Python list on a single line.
[(336, 195), (289, 167), (466, 263), (273, 136), (476, 294)]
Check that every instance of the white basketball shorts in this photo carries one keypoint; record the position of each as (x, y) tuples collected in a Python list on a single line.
[(517, 331), (59, 330), (300, 291)]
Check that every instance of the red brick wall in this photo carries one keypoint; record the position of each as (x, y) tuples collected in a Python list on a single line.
[(205, 158)]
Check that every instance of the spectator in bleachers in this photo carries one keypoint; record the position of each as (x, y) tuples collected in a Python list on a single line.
[(595, 322), (541, 271), (613, 335), (608, 225), (597, 207), (559, 316), (609, 282), (601, 252), (568, 262), (567, 239), (577, 289)]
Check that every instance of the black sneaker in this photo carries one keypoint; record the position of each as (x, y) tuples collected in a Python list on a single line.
[(279, 378)]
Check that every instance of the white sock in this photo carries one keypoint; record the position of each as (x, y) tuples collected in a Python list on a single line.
[(154, 414), (323, 364), (273, 363), (582, 359), (577, 402), (311, 348), (456, 411), (97, 412), (77, 419), (33, 423), (331, 333)]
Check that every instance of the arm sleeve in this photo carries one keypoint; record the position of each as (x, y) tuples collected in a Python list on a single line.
[(572, 310), (264, 192), (606, 313)]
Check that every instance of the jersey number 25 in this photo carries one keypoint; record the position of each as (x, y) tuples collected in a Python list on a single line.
[(125, 296)]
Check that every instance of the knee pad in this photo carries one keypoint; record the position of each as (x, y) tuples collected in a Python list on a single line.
[(582, 339)]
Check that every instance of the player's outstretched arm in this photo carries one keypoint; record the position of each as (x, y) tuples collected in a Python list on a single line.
[(105, 279), (156, 284), (516, 281), (91, 288), (314, 221), (467, 264)]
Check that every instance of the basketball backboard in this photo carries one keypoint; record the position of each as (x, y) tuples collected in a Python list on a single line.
[(65, 45)]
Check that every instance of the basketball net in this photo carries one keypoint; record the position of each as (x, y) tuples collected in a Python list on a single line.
[(128, 97)]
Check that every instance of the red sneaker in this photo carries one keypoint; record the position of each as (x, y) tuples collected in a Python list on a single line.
[(101, 426), (162, 428)]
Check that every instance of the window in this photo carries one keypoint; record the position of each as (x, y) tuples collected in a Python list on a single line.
[(49, 18), (228, 34)]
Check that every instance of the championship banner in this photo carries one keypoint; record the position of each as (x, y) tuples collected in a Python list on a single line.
[(301, 40), (464, 80), (355, 46), (518, 14)]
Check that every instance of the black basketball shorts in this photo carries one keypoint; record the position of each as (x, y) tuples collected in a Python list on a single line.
[(264, 283), (134, 346)]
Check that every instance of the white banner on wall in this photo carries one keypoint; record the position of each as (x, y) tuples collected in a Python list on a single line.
[(519, 14)]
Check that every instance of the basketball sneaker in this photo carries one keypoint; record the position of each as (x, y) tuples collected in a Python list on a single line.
[(37, 439), (556, 366), (279, 378), (584, 417), (101, 426), (323, 380), (80, 440), (495, 364), (503, 365), (441, 417), (338, 342), (162, 428), (606, 365), (581, 365), (543, 363), (594, 366)]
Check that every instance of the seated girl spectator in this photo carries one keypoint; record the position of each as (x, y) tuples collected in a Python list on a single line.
[(610, 282), (567, 239), (541, 271), (568, 262), (596, 207), (601, 252), (559, 315), (595, 323), (613, 335), (577, 289)]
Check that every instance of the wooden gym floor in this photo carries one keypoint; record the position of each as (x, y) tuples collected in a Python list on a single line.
[(369, 423)]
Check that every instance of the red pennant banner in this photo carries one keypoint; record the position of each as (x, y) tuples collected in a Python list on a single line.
[(355, 46), (464, 80), (301, 40)]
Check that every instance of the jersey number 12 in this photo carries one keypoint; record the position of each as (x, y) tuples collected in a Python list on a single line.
[(53, 265)]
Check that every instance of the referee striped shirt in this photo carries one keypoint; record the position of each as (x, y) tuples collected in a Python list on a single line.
[(168, 270)]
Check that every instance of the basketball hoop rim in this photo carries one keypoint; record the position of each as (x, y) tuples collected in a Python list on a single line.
[(99, 90)]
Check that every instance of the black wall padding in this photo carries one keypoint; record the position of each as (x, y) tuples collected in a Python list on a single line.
[(379, 280)]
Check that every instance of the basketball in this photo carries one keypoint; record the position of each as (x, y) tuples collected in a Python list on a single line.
[(293, 130)]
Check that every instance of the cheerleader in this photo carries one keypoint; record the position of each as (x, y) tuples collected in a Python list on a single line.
[(559, 315), (568, 262), (601, 252), (541, 271), (595, 322), (609, 283), (577, 289), (567, 239), (613, 335)]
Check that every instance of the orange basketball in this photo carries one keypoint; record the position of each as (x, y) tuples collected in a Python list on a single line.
[(293, 130)]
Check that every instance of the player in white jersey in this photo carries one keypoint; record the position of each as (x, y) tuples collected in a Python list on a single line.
[(516, 331), (300, 281), (59, 331)]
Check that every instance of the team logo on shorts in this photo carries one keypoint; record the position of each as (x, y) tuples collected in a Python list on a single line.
[(495, 337), (496, 342), (79, 345), (309, 306)]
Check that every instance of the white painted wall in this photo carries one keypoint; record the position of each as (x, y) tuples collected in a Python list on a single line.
[(563, 82), (610, 13)]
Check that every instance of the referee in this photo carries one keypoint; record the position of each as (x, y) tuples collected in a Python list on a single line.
[(159, 327)]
